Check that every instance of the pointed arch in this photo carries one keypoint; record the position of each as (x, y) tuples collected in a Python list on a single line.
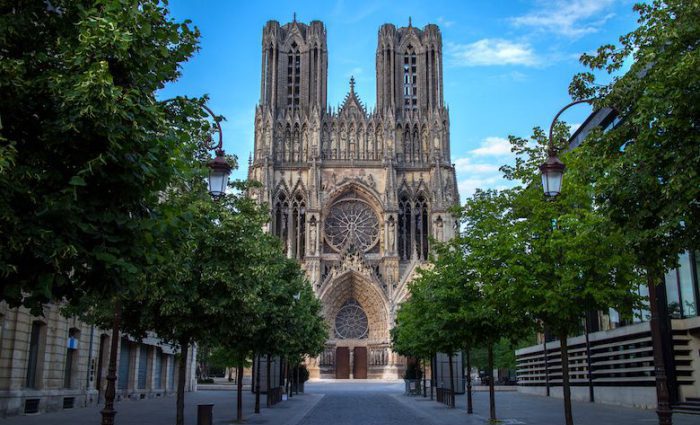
[(421, 225), (405, 224)]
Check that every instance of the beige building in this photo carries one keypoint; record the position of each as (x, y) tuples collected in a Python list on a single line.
[(355, 194), (50, 363)]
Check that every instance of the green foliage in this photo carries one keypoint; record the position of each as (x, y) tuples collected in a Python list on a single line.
[(646, 170), (86, 149), (413, 371), (571, 258), (503, 353)]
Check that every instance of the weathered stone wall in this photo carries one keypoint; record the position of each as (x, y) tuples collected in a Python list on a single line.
[(88, 367)]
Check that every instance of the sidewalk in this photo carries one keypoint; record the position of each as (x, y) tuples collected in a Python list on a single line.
[(162, 411), (518, 409)]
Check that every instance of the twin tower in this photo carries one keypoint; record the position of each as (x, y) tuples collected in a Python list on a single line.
[(357, 196)]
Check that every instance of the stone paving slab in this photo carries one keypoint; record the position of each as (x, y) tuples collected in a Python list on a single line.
[(162, 411), (524, 409), (357, 403)]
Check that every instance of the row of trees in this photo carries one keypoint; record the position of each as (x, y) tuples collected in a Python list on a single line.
[(103, 205), (629, 206)]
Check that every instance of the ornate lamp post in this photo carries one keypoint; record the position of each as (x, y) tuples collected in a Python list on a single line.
[(219, 168), (219, 171), (552, 175)]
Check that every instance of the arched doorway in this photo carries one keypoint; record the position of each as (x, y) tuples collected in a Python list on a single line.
[(358, 319)]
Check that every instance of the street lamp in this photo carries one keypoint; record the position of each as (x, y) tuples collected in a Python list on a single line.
[(552, 169), (219, 171), (552, 174), (219, 168)]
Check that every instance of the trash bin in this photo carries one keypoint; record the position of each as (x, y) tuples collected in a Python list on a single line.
[(204, 414)]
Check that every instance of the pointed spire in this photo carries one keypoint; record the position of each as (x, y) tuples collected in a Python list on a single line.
[(352, 84), (409, 22), (294, 19)]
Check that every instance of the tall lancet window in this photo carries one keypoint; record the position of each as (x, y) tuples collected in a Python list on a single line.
[(280, 214), (410, 79), (421, 227), (405, 226), (293, 76), (298, 227)]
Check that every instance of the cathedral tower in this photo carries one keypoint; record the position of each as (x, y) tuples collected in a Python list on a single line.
[(357, 196)]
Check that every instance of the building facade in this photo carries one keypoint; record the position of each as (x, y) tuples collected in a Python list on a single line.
[(51, 362), (356, 195), (611, 361)]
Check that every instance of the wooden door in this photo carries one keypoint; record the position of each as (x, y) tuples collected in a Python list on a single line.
[(359, 369), (342, 363)]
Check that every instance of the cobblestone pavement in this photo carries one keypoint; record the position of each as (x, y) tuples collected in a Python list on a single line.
[(161, 411), (357, 403), (523, 409)]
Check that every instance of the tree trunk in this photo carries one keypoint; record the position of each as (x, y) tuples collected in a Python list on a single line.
[(469, 382), (181, 378), (286, 375), (492, 390), (425, 391), (566, 389), (546, 361), (268, 383), (452, 384), (239, 393), (432, 371), (663, 397), (108, 412), (257, 385), (296, 387)]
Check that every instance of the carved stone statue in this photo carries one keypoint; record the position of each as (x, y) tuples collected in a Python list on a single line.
[(439, 230), (391, 235), (313, 235)]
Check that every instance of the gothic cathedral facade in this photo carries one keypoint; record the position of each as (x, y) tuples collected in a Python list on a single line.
[(356, 196)]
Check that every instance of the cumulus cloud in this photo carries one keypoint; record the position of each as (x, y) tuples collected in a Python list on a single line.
[(492, 146), (480, 168), (492, 51), (569, 18)]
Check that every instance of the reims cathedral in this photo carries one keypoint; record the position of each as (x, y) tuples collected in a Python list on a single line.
[(355, 194)]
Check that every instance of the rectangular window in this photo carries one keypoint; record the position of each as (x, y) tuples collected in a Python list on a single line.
[(158, 371), (71, 357), (34, 355), (171, 372), (687, 286), (143, 367), (672, 294), (124, 365)]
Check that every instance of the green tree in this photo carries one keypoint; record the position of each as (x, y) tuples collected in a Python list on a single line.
[(646, 169), (573, 260), (493, 261), (86, 149)]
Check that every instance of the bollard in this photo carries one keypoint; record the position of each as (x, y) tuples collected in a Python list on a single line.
[(204, 414)]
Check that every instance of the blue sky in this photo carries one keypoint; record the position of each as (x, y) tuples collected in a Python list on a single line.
[(507, 64)]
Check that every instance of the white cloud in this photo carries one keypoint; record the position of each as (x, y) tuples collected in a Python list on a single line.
[(480, 168), (492, 51), (467, 187), (466, 165), (493, 146), (444, 22), (569, 18)]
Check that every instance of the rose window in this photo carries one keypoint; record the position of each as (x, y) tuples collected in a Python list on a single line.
[(351, 322), (352, 223)]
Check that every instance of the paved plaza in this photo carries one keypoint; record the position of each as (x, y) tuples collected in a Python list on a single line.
[(357, 403)]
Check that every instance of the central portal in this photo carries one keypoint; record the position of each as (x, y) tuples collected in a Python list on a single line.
[(359, 368)]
